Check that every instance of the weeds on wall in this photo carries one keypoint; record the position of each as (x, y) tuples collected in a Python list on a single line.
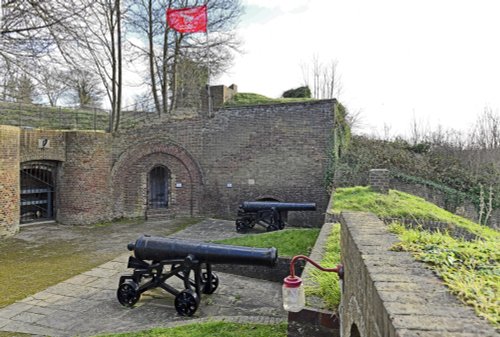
[(340, 140), (471, 270)]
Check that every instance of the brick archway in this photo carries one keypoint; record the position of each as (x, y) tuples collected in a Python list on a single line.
[(130, 179)]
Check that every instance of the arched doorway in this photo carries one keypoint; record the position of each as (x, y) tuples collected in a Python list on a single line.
[(37, 191), (159, 187)]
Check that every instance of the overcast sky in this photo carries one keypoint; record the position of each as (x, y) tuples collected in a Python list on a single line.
[(436, 60)]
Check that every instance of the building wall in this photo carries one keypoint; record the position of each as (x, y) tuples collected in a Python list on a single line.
[(9, 180), (245, 153), (31, 150), (83, 192)]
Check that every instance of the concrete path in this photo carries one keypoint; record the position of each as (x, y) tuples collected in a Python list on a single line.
[(86, 304)]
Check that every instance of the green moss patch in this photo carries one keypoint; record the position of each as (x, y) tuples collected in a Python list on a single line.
[(470, 269), (220, 329), (27, 269), (326, 285), (289, 242)]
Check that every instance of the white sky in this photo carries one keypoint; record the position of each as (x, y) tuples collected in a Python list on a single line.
[(437, 60)]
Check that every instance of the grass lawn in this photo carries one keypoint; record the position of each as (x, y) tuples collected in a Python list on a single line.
[(288, 242), (219, 329)]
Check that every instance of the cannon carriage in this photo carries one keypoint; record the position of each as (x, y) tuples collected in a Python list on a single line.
[(269, 214), (189, 261)]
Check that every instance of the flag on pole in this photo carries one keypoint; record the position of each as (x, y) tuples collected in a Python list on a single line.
[(188, 20)]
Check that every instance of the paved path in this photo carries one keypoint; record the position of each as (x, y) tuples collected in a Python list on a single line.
[(86, 304)]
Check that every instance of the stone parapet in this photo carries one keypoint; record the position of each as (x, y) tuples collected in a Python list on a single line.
[(388, 293)]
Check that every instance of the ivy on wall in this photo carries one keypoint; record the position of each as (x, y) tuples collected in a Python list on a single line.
[(340, 140)]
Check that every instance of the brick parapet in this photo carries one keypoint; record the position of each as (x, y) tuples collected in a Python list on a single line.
[(390, 294), (9, 180)]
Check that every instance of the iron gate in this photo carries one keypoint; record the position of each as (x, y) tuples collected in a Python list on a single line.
[(37, 192)]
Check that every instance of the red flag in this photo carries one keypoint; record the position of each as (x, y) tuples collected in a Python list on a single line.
[(188, 20)]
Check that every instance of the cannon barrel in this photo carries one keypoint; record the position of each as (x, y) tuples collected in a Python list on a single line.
[(280, 206), (160, 249)]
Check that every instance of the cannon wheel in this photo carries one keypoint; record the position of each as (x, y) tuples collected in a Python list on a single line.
[(209, 288), (241, 226), (271, 228), (186, 302), (128, 294)]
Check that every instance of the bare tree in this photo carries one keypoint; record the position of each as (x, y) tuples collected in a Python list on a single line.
[(325, 78), (167, 49), (52, 83), (84, 88), (30, 29), (486, 132)]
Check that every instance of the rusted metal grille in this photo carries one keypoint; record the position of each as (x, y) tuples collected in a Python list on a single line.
[(37, 192)]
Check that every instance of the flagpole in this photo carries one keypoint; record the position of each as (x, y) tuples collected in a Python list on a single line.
[(209, 98)]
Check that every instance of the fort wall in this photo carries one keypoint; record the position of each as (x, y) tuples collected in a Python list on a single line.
[(9, 180)]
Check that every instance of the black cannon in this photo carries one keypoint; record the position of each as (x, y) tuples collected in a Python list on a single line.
[(269, 214), (190, 261)]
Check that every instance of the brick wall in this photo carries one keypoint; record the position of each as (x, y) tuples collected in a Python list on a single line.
[(131, 173), (83, 183), (379, 180), (31, 150), (9, 180), (245, 153)]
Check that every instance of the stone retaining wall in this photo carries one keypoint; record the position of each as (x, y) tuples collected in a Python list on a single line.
[(388, 293), (272, 274)]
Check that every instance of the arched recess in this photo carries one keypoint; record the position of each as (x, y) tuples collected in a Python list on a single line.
[(38, 191), (130, 176)]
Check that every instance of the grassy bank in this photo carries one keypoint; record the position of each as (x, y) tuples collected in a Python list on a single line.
[(326, 285), (289, 242), (219, 329), (470, 269), (398, 204), (256, 99)]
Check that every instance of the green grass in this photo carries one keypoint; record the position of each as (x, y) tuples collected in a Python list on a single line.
[(289, 242), (254, 99), (219, 329), (398, 204), (471, 270), (326, 285)]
